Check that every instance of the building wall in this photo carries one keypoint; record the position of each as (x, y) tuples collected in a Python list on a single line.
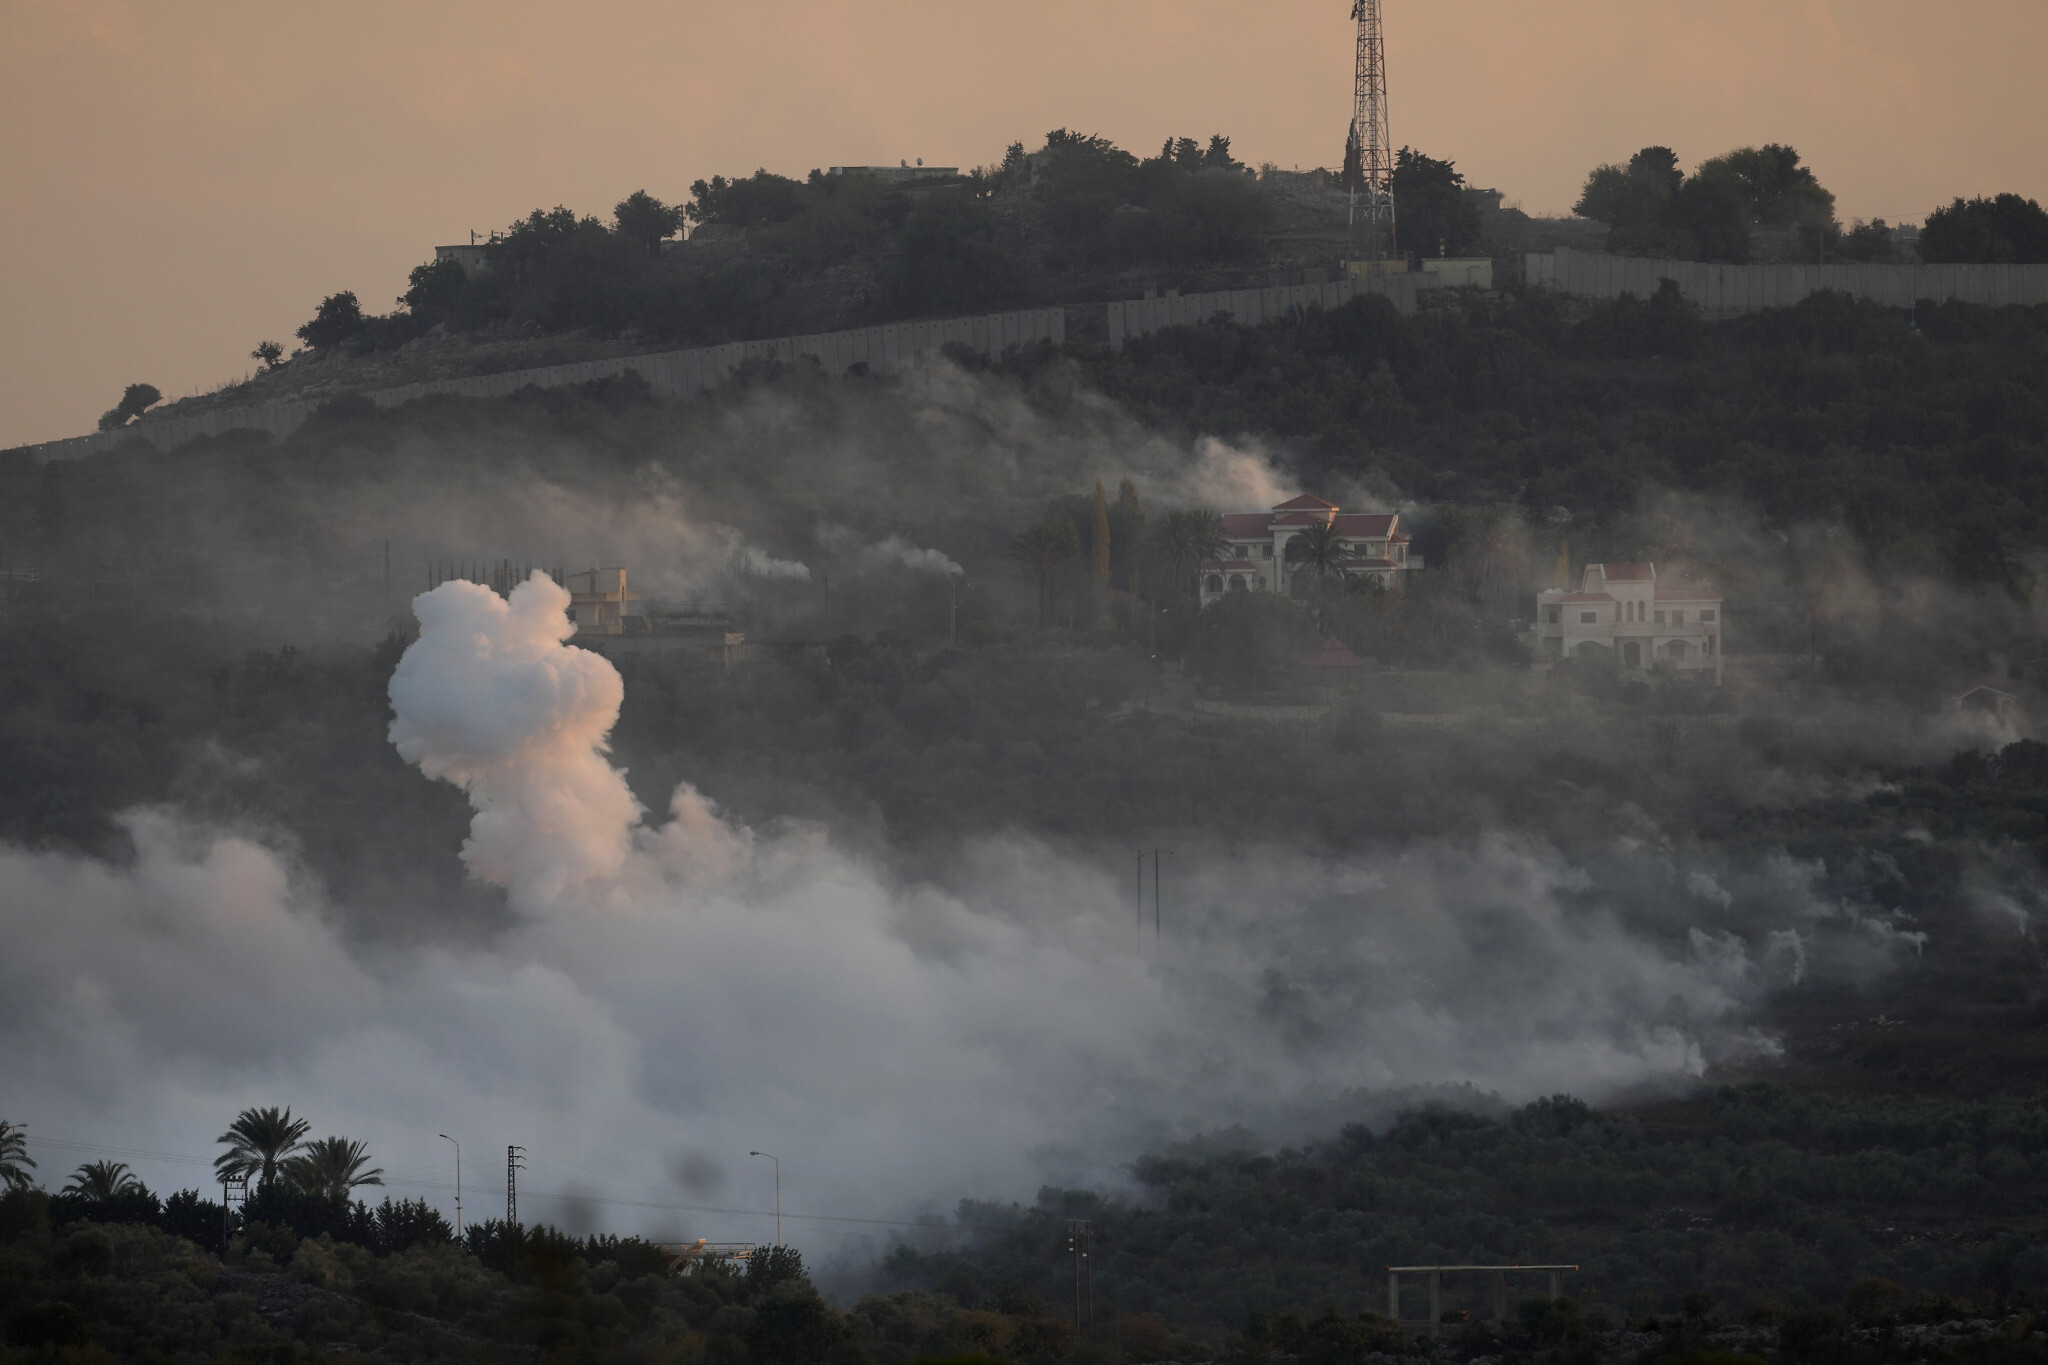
[(1136, 317), (1724, 290), (668, 373)]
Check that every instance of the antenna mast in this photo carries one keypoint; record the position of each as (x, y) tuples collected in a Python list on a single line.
[(1368, 155)]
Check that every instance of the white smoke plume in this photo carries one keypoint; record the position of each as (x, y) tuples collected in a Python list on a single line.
[(490, 698), (694, 986), (892, 552)]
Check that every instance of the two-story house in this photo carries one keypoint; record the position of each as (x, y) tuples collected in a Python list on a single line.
[(1255, 555), (1623, 609)]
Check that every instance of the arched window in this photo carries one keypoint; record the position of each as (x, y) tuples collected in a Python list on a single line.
[(1237, 582), (1214, 583)]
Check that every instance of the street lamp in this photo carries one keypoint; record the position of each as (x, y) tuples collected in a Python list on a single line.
[(778, 1195), (458, 1183)]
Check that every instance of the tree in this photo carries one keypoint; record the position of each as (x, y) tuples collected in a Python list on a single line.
[(1043, 551), (270, 353), (1771, 187), (645, 221), (1127, 535), (433, 289), (258, 1141), (1182, 541), (1652, 209), (1098, 541), (330, 1168), (15, 1162), (103, 1180), (2004, 230), (1319, 554), (951, 261), (756, 201), (338, 318), (1435, 217), (135, 400)]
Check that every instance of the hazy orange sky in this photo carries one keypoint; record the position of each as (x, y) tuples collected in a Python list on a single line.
[(179, 181)]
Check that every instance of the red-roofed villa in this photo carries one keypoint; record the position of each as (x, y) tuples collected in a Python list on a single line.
[(1256, 557)]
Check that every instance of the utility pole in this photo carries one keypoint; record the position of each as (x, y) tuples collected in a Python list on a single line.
[(515, 1162), (1157, 941), (458, 1185), (234, 1194), (1141, 901), (778, 1195), (1368, 153), (1081, 1242)]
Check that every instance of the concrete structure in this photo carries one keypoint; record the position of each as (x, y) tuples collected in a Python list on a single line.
[(669, 373), (472, 258), (1255, 559), (1725, 290), (1460, 272), (900, 173), (1436, 1275), (1991, 704), (600, 603), (1622, 610), (609, 618), (1136, 317)]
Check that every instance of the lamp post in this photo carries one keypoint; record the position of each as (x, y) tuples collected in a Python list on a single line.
[(458, 1184), (778, 1194)]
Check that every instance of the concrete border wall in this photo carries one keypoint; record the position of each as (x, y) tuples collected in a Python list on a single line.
[(668, 373), (1136, 317), (1725, 290)]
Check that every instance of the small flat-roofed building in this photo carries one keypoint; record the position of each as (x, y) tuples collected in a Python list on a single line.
[(1623, 610)]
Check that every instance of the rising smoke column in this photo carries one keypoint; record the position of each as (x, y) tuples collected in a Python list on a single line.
[(491, 699)]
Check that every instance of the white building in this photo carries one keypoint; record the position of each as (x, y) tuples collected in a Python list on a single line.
[(1621, 608), (1255, 557)]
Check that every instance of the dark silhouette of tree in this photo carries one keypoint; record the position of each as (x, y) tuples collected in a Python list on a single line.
[(1044, 552), (1435, 216), (330, 1168), (1773, 189), (102, 1181), (270, 353), (433, 290), (1652, 209), (645, 221), (135, 400), (338, 318), (15, 1162), (1318, 555), (258, 1140), (2003, 230), (1181, 542)]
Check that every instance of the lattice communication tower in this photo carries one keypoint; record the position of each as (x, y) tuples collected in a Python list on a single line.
[(1368, 150)]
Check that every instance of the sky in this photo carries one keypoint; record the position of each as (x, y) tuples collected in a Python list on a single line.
[(179, 181)]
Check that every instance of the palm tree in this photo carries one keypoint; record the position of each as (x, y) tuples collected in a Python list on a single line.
[(1043, 551), (331, 1168), (14, 1158), (1319, 553), (103, 1180), (258, 1142), (1184, 540)]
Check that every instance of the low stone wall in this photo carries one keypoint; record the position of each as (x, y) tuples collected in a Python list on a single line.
[(669, 373), (1725, 290)]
